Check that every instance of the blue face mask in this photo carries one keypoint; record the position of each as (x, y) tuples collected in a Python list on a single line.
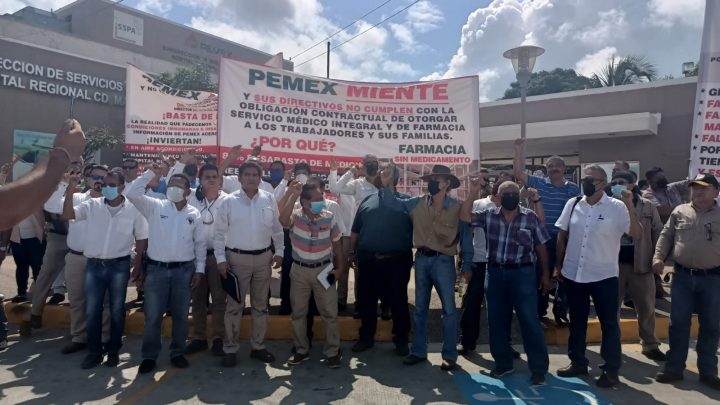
[(317, 206), (276, 175), (617, 190), (110, 193)]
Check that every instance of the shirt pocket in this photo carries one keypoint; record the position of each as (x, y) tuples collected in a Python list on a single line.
[(124, 226), (523, 237), (267, 217), (684, 231)]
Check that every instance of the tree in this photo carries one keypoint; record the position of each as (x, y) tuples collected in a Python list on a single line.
[(195, 78), (555, 81), (628, 70), (98, 138), (694, 72)]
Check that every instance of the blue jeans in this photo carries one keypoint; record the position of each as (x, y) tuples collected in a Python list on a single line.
[(508, 289), (604, 294), (103, 277), (691, 292), (437, 271), (166, 289)]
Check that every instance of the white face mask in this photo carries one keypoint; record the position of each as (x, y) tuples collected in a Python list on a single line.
[(175, 194)]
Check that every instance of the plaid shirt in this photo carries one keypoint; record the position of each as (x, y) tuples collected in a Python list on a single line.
[(512, 243)]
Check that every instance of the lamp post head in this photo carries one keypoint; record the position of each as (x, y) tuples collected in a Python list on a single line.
[(523, 57)]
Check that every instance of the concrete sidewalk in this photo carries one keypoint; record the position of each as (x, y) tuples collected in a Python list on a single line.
[(33, 371)]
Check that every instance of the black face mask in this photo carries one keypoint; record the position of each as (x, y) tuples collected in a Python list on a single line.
[(510, 201), (433, 187), (371, 168), (588, 188)]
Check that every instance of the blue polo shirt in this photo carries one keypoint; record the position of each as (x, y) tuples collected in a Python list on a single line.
[(553, 199)]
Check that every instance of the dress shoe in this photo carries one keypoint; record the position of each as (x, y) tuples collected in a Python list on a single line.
[(230, 360), (179, 362), (607, 380), (572, 371), (448, 365), (498, 372), (36, 321), (146, 366), (217, 347), (401, 350), (91, 360), (362, 346), (655, 354), (335, 361), (19, 298), (412, 360), (666, 377), (56, 299), (196, 346), (73, 347), (262, 355), (113, 359), (710, 380), (298, 358)]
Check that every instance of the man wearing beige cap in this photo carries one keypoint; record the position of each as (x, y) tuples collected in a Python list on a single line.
[(693, 234)]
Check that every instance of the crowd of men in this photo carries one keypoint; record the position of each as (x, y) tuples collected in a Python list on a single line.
[(193, 239)]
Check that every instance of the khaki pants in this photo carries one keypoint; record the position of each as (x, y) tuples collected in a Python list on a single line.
[(211, 282), (303, 282), (75, 281), (53, 265), (254, 273), (343, 282), (641, 287)]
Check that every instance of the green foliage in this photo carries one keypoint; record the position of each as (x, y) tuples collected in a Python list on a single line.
[(195, 78), (547, 82), (98, 138), (628, 70)]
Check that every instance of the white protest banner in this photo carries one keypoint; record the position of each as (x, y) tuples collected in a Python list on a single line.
[(705, 145), (299, 118), (159, 117)]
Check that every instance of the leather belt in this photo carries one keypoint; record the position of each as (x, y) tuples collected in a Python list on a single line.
[(248, 252), (167, 265), (107, 262), (311, 265), (698, 272), (510, 265), (429, 252), (75, 252)]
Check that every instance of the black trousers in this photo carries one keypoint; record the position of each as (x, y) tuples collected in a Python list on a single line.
[(388, 277), (28, 254), (285, 273), (472, 307)]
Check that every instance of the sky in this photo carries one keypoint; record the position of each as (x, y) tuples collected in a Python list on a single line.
[(435, 39)]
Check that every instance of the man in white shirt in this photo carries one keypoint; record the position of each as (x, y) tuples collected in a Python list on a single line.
[(207, 199), (112, 225), (246, 225), (588, 246), (67, 254), (175, 263)]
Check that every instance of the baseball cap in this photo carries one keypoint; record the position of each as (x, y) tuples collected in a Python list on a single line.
[(705, 180)]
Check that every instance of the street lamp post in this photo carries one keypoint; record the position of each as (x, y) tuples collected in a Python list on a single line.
[(523, 61)]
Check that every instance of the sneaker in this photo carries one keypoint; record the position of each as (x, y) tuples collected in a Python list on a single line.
[(196, 346), (412, 360), (262, 355), (498, 372), (113, 359), (362, 346), (334, 362), (229, 360), (607, 380), (537, 379), (217, 347), (401, 350), (19, 298), (666, 377), (56, 299), (710, 380), (448, 365), (73, 347), (297, 358), (3, 344), (655, 355), (91, 361), (146, 366), (179, 362), (36, 321), (572, 371)]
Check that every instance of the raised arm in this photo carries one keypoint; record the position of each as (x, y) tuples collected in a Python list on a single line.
[(536, 204), (232, 156), (68, 212), (345, 185), (636, 228), (287, 203), (518, 164), (466, 208), (136, 192)]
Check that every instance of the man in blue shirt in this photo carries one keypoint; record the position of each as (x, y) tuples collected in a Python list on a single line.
[(554, 192)]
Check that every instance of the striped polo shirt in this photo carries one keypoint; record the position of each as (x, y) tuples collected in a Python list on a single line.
[(312, 238), (553, 199)]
